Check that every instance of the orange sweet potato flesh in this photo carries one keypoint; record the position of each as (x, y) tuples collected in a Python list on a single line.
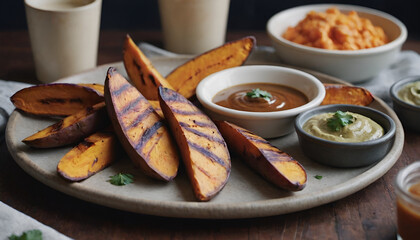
[(141, 71), (71, 129), (203, 150), (98, 87), (141, 131), (273, 164), (55, 99), (346, 94), (185, 78), (90, 156)]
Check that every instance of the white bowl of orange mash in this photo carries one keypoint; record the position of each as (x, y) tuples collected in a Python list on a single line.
[(350, 42)]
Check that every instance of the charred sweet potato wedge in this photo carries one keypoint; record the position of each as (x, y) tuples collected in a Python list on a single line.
[(141, 71), (346, 94), (141, 131), (90, 156), (71, 129), (273, 164), (56, 99), (185, 78), (203, 150)]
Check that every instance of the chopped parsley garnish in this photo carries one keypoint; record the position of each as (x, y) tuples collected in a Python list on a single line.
[(339, 120), (319, 177), (121, 179), (28, 235), (258, 93)]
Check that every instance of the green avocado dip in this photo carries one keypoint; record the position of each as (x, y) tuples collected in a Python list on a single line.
[(343, 127), (410, 93)]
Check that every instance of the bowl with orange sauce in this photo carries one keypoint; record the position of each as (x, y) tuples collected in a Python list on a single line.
[(350, 42), (263, 99)]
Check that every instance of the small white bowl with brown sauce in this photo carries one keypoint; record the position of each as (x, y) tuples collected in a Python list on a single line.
[(263, 99)]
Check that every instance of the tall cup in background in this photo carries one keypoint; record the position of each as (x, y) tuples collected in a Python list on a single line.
[(64, 36), (193, 26)]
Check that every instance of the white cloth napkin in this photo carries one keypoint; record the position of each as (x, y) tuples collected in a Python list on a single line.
[(7, 89), (15, 222), (407, 64)]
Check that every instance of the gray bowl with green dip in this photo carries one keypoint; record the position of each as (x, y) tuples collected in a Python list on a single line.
[(342, 135), (405, 95)]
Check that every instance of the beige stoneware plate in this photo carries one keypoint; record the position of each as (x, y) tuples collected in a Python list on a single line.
[(246, 194)]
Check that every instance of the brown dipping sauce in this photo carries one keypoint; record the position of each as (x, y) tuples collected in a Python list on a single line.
[(408, 216), (283, 98)]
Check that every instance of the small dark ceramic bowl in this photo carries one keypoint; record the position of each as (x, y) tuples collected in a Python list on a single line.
[(409, 114), (339, 154)]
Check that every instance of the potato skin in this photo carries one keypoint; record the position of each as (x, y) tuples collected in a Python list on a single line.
[(185, 78), (273, 164), (345, 94), (71, 129), (56, 99), (203, 149), (90, 156), (140, 130)]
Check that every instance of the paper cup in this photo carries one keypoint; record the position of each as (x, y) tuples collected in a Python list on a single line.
[(64, 36), (193, 26)]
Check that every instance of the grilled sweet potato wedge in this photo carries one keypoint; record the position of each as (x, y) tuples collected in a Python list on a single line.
[(56, 99), (142, 133), (90, 156), (346, 94), (273, 164), (141, 71), (185, 78), (71, 129), (156, 107), (203, 150), (98, 87)]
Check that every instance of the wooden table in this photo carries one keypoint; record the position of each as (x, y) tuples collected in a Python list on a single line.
[(367, 214)]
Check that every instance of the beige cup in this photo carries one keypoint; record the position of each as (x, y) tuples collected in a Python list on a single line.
[(64, 36), (193, 26)]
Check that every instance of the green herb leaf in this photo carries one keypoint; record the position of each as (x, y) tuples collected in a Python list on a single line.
[(258, 93), (28, 235), (319, 177), (121, 179), (339, 120)]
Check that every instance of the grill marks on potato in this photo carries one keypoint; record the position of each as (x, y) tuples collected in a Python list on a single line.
[(141, 71), (270, 162), (57, 99), (90, 156), (140, 129), (203, 149), (271, 153), (70, 129), (185, 78)]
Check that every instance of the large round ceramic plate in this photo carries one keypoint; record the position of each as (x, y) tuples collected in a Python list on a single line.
[(246, 194)]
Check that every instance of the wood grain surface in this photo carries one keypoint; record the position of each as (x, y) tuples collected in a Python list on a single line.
[(367, 214)]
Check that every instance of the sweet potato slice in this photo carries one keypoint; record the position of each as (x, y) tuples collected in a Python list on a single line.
[(156, 107), (185, 78), (202, 148), (346, 94), (93, 154), (142, 133), (55, 99), (141, 71), (273, 164), (70, 129), (98, 87)]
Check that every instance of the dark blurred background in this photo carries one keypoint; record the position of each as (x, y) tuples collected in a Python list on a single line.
[(243, 14)]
